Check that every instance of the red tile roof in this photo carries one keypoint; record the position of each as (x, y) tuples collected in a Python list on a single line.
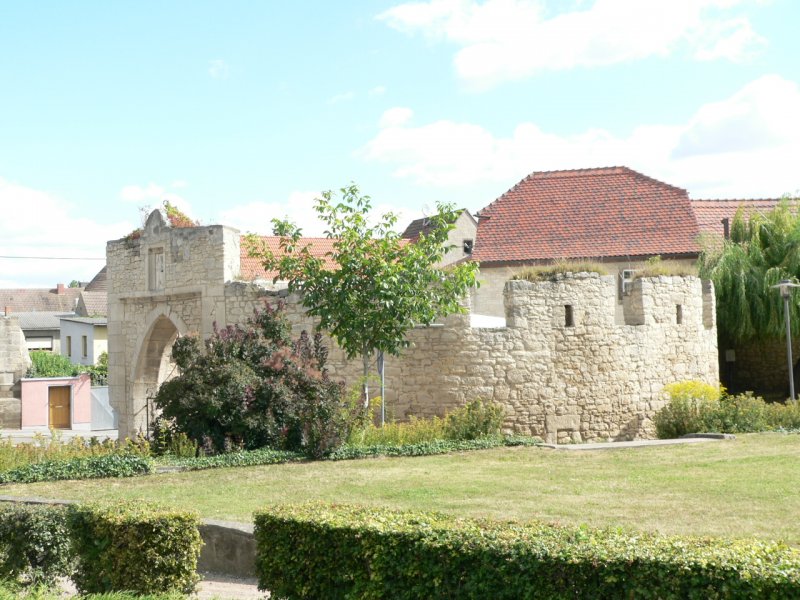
[(586, 213), (709, 213), (251, 268)]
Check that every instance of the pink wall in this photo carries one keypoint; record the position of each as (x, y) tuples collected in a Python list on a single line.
[(35, 399)]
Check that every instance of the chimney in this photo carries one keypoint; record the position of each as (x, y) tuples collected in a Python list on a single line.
[(726, 228), (60, 289)]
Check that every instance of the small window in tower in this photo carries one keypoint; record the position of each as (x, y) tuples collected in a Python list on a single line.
[(569, 318), (679, 314), (467, 246)]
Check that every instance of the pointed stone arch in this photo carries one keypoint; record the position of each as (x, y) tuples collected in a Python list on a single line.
[(151, 367)]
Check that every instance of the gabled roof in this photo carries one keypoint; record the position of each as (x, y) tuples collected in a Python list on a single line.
[(251, 268), (92, 304), (710, 213), (100, 281), (33, 299), (40, 319), (423, 225), (586, 213)]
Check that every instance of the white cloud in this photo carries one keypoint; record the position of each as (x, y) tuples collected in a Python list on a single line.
[(343, 97), (744, 145), (502, 40), (218, 69), (395, 117), (39, 223), (378, 90)]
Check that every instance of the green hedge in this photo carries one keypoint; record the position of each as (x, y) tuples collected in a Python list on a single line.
[(91, 467), (245, 458), (314, 551), (432, 447), (34, 544), (134, 547)]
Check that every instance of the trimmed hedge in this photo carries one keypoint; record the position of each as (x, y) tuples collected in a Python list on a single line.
[(91, 467), (245, 458), (316, 551), (432, 447), (134, 547), (34, 544)]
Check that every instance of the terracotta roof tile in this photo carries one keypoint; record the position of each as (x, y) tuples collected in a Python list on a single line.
[(709, 213), (251, 268), (586, 213)]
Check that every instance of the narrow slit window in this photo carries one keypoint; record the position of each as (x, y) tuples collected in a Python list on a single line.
[(569, 317), (679, 314)]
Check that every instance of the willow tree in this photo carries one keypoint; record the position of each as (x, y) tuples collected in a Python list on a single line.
[(375, 285), (761, 251)]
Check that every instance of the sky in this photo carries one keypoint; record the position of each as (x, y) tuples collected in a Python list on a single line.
[(239, 111)]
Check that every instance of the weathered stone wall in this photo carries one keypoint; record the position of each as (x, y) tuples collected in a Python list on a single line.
[(563, 367), (488, 298), (14, 361)]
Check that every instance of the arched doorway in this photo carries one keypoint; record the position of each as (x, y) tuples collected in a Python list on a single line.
[(153, 367)]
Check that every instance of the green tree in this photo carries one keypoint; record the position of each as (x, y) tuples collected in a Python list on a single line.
[(760, 253), (376, 286)]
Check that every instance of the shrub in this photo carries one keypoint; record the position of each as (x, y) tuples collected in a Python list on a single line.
[(245, 458), (743, 413), (92, 467), (474, 420), (413, 431), (47, 364), (697, 407), (429, 448), (316, 551), (253, 387), (34, 544), (137, 547), (686, 411)]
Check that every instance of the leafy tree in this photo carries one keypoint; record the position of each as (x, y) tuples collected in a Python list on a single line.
[(376, 286), (760, 253), (74, 283), (252, 387)]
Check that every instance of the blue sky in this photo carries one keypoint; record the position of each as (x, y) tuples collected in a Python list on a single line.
[(243, 111)]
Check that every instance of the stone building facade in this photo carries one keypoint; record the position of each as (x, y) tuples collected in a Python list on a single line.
[(562, 367), (14, 362)]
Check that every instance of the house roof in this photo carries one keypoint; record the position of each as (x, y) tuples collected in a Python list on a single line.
[(252, 269), (92, 304), (86, 320), (586, 213), (710, 213), (100, 281), (40, 319), (60, 299), (423, 225)]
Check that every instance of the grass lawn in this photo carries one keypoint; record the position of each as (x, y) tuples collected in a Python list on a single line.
[(742, 488)]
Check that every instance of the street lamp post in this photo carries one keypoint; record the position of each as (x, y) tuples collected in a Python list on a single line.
[(785, 286)]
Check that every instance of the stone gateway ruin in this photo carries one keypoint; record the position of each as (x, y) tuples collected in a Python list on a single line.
[(563, 366)]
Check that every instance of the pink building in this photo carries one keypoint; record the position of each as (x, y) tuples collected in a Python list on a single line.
[(57, 403)]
